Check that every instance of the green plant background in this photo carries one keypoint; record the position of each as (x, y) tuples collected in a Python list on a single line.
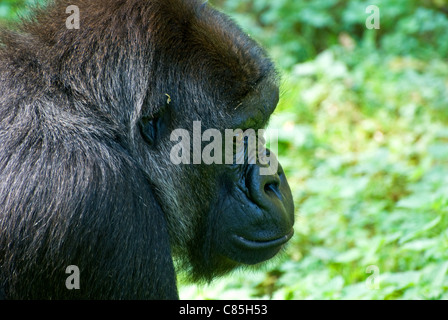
[(363, 124)]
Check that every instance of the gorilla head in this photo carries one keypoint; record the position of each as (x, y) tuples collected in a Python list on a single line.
[(86, 177)]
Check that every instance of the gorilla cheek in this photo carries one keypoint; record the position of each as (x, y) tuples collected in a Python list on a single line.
[(257, 222)]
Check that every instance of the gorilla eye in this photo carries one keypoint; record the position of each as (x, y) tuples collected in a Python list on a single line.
[(154, 127), (148, 129)]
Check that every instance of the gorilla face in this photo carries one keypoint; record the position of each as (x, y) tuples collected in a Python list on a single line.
[(220, 215)]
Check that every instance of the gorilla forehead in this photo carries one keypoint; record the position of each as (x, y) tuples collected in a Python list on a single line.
[(223, 65), (230, 59)]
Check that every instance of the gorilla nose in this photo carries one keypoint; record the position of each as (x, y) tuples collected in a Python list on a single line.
[(264, 188), (271, 193)]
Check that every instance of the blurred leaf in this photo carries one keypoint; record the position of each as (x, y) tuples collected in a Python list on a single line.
[(420, 244), (349, 256), (440, 278), (421, 230)]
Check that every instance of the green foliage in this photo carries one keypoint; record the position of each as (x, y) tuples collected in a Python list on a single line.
[(14, 9), (296, 31)]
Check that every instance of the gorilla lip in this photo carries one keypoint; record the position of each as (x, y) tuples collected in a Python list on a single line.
[(264, 244)]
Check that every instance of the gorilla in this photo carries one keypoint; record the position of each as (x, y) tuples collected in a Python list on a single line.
[(86, 180)]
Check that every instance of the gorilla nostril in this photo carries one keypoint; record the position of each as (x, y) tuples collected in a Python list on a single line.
[(272, 188), (269, 187)]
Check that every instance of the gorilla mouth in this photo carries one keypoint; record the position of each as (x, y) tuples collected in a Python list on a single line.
[(258, 244), (254, 251)]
